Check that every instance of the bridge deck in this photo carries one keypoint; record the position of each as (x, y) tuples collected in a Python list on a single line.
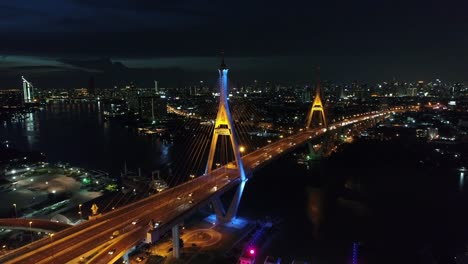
[(167, 207)]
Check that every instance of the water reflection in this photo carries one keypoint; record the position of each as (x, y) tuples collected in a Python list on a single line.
[(76, 133), (99, 112), (31, 125), (314, 209)]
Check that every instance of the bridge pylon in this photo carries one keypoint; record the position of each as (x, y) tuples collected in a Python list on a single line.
[(224, 126), (317, 105)]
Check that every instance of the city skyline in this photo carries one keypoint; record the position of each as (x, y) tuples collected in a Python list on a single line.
[(365, 41), (73, 74), (233, 131)]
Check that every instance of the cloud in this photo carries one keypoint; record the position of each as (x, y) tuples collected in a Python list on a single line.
[(95, 65), (18, 61), (40, 69), (355, 38), (178, 8), (11, 10)]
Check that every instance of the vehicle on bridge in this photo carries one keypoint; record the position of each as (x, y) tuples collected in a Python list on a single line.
[(115, 234)]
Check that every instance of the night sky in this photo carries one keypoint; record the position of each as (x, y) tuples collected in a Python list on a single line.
[(61, 43)]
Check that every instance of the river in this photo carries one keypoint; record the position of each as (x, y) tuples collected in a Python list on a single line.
[(394, 211)]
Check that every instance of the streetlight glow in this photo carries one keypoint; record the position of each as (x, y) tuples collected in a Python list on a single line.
[(79, 212), (52, 243), (30, 230), (241, 149)]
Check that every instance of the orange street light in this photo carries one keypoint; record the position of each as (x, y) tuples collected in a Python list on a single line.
[(242, 149), (30, 230), (52, 244)]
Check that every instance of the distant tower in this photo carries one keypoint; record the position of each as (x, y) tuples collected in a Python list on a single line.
[(152, 110), (342, 94), (155, 87), (25, 90), (317, 105), (91, 86), (28, 91), (306, 94)]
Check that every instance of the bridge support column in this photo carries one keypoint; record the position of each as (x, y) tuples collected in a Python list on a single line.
[(176, 241), (219, 208), (221, 215), (224, 126), (126, 258)]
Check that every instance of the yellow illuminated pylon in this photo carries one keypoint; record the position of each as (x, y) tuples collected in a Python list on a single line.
[(317, 106), (94, 209), (224, 125)]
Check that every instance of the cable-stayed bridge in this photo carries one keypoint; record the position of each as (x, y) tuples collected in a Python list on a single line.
[(170, 207)]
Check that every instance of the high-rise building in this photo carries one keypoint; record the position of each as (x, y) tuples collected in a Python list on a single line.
[(420, 87), (152, 107), (306, 96), (342, 93), (28, 91)]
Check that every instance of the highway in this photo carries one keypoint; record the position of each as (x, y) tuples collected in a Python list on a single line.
[(82, 240)]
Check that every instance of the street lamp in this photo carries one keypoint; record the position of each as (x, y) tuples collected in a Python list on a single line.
[(52, 246), (81, 215), (242, 149), (16, 215), (30, 230)]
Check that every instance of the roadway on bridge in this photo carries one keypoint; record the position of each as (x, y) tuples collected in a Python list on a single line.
[(166, 206)]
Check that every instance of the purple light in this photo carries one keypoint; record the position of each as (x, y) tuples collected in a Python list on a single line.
[(355, 253), (252, 251)]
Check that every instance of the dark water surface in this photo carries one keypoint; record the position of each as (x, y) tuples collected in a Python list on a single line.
[(403, 204), (79, 135)]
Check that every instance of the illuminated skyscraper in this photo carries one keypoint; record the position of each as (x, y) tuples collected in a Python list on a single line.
[(28, 91)]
